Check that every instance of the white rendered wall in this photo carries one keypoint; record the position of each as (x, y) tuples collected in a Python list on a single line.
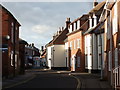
[(66, 54), (49, 57), (88, 39), (59, 56)]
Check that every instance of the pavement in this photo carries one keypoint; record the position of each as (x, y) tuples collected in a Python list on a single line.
[(86, 80), (92, 81)]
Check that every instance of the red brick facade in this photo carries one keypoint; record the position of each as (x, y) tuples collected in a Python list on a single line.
[(10, 44)]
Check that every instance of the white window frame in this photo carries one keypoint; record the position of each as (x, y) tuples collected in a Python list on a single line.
[(90, 22), (12, 32), (11, 57), (74, 26), (78, 24), (70, 29), (70, 44), (74, 44), (115, 20), (78, 43)]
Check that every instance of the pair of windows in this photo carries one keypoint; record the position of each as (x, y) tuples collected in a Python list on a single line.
[(115, 58), (13, 33), (74, 26), (75, 43)]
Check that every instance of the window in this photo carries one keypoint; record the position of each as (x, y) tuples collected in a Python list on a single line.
[(12, 59), (116, 57), (78, 61), (70, 44), (110, 61), (74, 44), (12, 32), (78, 24), (86, 61), (74, 26), (78, 43), (66, 45), (115, 20), (15, 61), (90, 22), (16, 34), (70, 29), (108, 28)]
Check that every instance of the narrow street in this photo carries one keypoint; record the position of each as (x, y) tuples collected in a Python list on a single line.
[(45, 79), (49, 79)]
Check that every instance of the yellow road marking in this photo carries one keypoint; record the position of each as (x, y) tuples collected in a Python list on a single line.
[(78, 86)]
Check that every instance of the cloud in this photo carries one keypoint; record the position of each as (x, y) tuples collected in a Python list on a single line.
[(41, 29), (40, 20)]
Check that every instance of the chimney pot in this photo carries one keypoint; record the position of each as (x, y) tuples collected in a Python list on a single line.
[(95, 3)]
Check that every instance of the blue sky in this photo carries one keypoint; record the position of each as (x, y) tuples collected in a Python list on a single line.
[(40, 20)]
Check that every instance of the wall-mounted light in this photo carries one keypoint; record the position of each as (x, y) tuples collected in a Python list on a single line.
[(119, 44), (7, 37)]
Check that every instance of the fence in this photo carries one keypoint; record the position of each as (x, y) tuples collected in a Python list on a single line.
[(116, 77)]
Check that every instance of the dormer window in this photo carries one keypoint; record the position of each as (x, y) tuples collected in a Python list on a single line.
[(74, 26), (90, 22), (70, 29), (78, 24), (94, 20)]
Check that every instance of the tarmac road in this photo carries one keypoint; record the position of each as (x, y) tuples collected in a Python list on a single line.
[(50, 80)]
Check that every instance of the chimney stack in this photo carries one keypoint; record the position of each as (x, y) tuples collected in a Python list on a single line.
[(95, 3), (42, 48), (67, 22), (32, 44)]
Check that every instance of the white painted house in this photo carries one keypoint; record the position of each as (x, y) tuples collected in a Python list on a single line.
[(56, 53), (93, 55), (56, 57)]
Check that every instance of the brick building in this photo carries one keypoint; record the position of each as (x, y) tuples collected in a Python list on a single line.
[(75, 45), (10, 43)]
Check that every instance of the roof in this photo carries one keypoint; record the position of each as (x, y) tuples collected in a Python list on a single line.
[(21, 41), (59, 39), (83, 17), (97, 7), (44, 53), (97, 27), (9, 13)]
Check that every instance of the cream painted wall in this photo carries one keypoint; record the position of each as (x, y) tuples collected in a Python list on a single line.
[(59, 56)]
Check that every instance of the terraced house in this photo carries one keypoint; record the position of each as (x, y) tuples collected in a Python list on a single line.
[(93, 42), (56, 49), (108, 41), (75, 45)]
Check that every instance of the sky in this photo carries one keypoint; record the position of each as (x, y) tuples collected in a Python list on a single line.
[(40, 20)]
